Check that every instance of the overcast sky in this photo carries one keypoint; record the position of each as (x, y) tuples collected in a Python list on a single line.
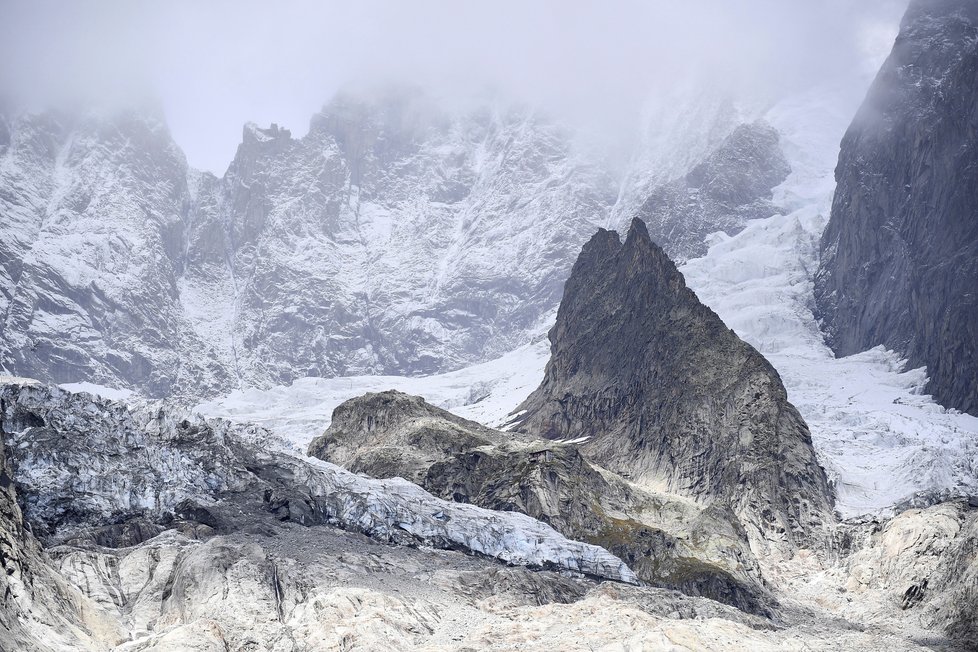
[(216, 65)]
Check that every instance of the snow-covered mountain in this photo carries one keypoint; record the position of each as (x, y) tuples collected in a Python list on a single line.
[(397, 237), (93, 230), (693, 435), (882, 440)]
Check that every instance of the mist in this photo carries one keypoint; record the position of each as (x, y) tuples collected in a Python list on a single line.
[(214, 66)]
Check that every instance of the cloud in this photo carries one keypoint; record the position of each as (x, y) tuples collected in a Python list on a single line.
[(216, 65)]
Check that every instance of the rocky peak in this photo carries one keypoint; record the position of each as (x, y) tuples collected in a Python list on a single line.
[(669, 396), (253, 135)]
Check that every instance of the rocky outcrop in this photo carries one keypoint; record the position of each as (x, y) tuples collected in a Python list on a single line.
[(923, 562), (38, 609), (899, 260), (670, 397), (664, 539), (731, 186), (261, 573), (391, 434)]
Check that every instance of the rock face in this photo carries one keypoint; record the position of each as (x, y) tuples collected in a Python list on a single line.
[(924, 560), (396, 237), (900, 254), (39, 610), (391, 434), (670, 397), (732, 185)]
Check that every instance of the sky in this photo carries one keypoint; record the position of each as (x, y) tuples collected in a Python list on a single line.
[(213, 66)]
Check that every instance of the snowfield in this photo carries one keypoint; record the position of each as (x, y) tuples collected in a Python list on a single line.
[(881, 441), (485, 392)]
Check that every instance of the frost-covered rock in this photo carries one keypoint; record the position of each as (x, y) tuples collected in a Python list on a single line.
[(91, 242), (729, 187), (399, 236), (396, 237)]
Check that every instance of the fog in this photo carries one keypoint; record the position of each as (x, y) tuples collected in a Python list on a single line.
[(213, 66)]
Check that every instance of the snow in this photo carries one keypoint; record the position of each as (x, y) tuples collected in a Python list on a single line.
[(110, 393), (879, 438), (485, 392)]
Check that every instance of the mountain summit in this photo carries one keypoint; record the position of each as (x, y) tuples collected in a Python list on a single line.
[(666, 394)]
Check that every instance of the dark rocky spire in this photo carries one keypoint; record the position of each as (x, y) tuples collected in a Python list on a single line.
[(670, 396)]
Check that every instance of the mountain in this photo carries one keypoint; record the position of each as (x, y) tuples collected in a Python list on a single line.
[(662, 392), (396, 237), (899, 263), (91, 244), (399, 236)]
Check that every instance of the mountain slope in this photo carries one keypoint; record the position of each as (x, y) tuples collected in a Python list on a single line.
[(729, 187), (395, 237), (398, 236), (900, 253), (92, 231)]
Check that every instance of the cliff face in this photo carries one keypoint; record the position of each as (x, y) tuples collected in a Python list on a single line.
[(669, 396), (395, 237), (91, 245), (899, 260)]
